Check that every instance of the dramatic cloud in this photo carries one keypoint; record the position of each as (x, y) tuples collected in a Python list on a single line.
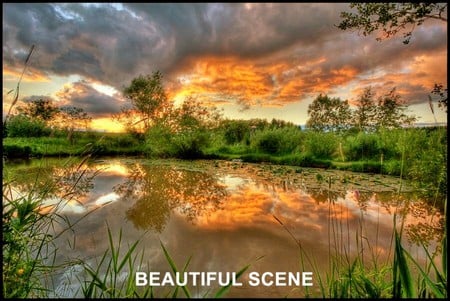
[(81, 94), (250, 54)]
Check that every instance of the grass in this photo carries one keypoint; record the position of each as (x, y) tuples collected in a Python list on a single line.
[(401, 277), (417, 154), (98, 144), (29, 232), (30, 229)]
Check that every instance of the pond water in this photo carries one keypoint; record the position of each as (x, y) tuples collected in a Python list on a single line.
[(225, 215)]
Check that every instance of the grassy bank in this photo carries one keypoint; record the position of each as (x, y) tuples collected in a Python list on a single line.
[(97, 143), (417, 154)]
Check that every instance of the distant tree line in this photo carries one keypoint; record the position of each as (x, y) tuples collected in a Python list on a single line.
[(334, 114), (41, 117)]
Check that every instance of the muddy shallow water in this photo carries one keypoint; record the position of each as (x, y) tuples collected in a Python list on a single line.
[(226, 215)]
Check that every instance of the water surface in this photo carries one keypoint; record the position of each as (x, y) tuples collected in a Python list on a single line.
[(225, 214)]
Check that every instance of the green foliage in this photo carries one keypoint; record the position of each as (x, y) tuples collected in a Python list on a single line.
[(162, 142), (357, 281), (158, 142), (362, 147), (189, 144), (392, 167), (149, 103), (235, 130), (114, 263), (364, 117), (328, 114), (268, 142), (321, 145), (391, 18), (20, 266), (390, 112), (23, 126), (428, 166), (277, 140), (42, 109)]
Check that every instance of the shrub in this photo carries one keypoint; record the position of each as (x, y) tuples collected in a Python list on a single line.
[(363, 146), (268, 142), (158, 142), (189, 144), (163, 143), (392, 167), (321, 145), (277, 140), (23, 126), (235, 131)]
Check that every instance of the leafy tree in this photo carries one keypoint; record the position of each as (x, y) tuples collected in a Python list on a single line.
[(42, 109), (73, 118), (390, 111), (364, 117), (149, 103), (328, 114), (191, 114), (391, 18)]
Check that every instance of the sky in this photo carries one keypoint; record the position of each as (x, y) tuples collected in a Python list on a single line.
[(250, 60)]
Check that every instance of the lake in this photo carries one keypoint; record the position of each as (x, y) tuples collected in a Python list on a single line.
[(225, 215)]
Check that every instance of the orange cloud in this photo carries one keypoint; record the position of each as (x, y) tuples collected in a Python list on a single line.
[(30, 75), (271, 83), (221, 79), (413, 82)]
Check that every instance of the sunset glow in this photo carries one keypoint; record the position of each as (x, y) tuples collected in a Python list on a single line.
[(251, 60)]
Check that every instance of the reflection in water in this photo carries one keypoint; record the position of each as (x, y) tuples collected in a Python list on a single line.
[(225, 217), (159, 189), (62, 185)]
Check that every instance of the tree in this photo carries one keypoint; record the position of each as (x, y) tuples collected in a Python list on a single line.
[(442, 94), (328, 114), (42, 109), (391, 18), (149, 103), (364, 117), (192, 115), (390, 111), (73, 118)]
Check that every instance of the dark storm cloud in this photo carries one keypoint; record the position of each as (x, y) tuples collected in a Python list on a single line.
[(146, 37), (81, 94), (114, 43)]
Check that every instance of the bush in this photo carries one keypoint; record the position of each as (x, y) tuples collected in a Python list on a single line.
[(158, 142), (321, 145), (235, 131), (277, 140), (363, 146), (189, 144), (268, 142), (392, 167), (23, 126)]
